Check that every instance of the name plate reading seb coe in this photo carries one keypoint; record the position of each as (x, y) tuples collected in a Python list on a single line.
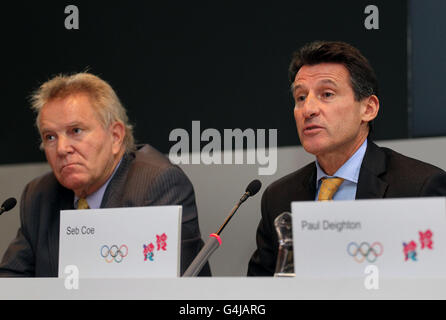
[(121, 243), (402, 237)]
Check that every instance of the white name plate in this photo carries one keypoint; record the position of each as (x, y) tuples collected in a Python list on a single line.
[(121, 243), (401, 237)]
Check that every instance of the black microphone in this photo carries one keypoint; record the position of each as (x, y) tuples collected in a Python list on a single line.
[(214, 240), (8, 205), (251, 190)]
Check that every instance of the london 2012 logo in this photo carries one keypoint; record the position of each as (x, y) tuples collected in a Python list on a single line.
[(149, 249), (365, 251), (410, 247), (114, 253)]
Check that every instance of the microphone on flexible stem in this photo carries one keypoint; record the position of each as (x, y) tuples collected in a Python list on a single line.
[(214, 240), (8, 205)]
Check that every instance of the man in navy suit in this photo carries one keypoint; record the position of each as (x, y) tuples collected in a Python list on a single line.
[(336, 100)]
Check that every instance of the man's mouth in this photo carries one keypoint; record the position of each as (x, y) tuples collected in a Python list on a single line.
[(310, 129), (69, 166)]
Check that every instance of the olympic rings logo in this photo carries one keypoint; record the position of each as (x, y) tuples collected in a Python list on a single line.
[(365, 251), (114, 253)]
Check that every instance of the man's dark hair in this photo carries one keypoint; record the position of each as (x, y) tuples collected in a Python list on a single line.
[(362, 77)]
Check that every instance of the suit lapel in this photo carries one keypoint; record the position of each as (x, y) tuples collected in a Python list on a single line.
[(307, 190), (370, 185), (62, 201), (113, 193), (304, 181)]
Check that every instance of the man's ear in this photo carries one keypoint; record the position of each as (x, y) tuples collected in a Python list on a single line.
[(369, 108), (117, 130)]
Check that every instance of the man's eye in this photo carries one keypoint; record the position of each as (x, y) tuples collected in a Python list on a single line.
[(49, 137), (328, 94), (77, 130), (300, 98)]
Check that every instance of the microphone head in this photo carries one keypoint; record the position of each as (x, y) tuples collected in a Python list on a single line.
[(9, 204), (253, 187)]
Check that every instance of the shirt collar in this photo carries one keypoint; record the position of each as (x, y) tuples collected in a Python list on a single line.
[(349, 170), (95, 199)]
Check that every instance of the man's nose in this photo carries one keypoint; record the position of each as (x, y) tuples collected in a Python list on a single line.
[(311, 106), (64, 145)]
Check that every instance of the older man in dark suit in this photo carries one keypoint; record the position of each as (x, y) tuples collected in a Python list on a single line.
[(95, 164), (335, 93)]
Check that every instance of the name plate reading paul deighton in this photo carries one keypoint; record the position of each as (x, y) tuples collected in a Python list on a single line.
[(401, 237), (328, 225)]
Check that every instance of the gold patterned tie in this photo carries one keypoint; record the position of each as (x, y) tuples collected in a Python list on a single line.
[(328, 188), (82, 204)]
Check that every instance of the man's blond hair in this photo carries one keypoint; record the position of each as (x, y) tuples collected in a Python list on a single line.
[(102, 96)]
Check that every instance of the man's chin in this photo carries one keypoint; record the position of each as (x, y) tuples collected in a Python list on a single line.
[(73, 183), (313, 148)]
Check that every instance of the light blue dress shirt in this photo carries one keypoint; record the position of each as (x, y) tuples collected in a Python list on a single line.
[(95, 199), (349, 172)]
